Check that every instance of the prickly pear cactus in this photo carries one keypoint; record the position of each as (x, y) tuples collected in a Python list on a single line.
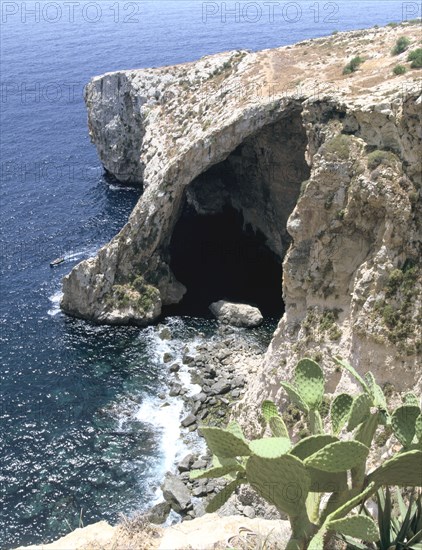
[(309, 382), (223, 496), (281, 481), (295, 396), (310, 445), (418, 428), (403, 422), (270, 447), (293, 477), (278, 427), (235, 429), (338, 456), (403, 469), (347, 366), (360, 527), (340, 411), (411, 399), (225, 444), (274, 420), (214, 472), (375, 391), (269, 410), (360, 411)]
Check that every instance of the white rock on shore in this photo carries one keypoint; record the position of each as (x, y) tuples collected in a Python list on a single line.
[(238, 315)]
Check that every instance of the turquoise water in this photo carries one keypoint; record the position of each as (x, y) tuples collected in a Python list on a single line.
[(80, 432)]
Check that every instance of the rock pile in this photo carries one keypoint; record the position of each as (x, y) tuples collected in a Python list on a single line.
[(220, 367)]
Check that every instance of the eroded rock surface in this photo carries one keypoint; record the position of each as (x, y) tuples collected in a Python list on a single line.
[(323, 169)]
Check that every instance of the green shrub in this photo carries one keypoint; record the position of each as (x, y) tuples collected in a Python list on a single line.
[(353, 65), (339, 146), (399, 69), (381, 157), (401, 45), (416, 58), (392, 24), (294, 477)]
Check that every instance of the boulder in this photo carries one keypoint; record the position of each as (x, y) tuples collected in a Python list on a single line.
[(176, 493), (189, 420), (186, 463), (221, 387), (158, 513), (238, 315)]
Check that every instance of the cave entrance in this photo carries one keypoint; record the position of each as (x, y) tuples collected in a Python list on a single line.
[(230, 237), (232, 262)]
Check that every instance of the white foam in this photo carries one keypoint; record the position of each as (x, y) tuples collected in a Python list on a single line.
[(85, 252), (165, 417), (119, 187), (55, 299)]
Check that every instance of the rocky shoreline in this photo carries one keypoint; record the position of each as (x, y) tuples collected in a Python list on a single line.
[(220, 367)]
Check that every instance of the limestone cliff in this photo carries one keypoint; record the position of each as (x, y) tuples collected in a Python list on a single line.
[(325, 167)]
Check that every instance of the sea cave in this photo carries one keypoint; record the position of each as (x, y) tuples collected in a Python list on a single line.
[(229, 237)]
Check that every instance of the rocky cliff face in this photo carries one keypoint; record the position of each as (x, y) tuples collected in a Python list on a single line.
[(323, 169)]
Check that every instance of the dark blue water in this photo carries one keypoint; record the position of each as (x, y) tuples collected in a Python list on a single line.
[(64, 382)]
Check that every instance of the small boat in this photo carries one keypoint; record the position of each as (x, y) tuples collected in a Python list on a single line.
[(56, 262)]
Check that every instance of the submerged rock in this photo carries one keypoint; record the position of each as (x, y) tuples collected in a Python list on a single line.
[(238, 315)]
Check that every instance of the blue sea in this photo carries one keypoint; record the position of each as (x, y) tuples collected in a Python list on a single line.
[(82, 435)]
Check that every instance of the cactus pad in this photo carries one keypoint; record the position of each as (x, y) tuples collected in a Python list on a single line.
[(361, 409), (310, 445), (295, 396), (360, 527), (318, 541), (269, 410), (418, 428), (410, 399), (321, 482), (403, 422), (235, 429), (403, 469), (347, 366), (338, 457), (340, 410), (375, 391), (281, 481), (222, 497), (270, 447), (327, 482), (309, 381), (225, 444), (214, 472), (278, 427), (315, 422), (366, 431)]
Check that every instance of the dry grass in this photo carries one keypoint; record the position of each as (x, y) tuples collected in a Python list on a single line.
[(135, 533)]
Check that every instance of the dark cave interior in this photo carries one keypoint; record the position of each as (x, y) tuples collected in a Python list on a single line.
[(230, 262)]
